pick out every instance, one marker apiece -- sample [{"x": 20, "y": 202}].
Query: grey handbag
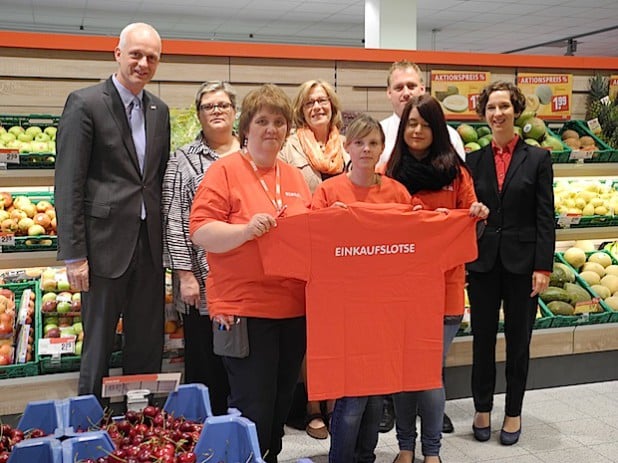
[{"x": 232, "y": 343}]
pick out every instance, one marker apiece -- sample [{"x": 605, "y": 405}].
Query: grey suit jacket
[
  {"x": 520, "y": 227},
  {"x": 98, "y": 185}
]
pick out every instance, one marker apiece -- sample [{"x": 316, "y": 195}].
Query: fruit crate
[
  {"x": 604, "y": 316},
  {"x": 556, "y": 156},
  {"x": 33, "y": 243},
  {"x": 586, "y": 221},
  {"x": 29, "y": 368},
  {"x": 39, "y": 160},
  {"x": 604, "y": 154}
]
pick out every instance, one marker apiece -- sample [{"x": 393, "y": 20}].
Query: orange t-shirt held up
[{"x": 236, "y": 284}]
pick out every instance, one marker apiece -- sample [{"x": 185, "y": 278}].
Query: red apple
[
  {"x": 8, "y": 199},
  {"x": 42, "y": 219},
  {"x": 43, "y": 205}
]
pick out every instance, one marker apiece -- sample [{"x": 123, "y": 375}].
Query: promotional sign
[
  {"x": 549, "y": 95},
  {"x": 458, "y": 92},
  {"x": 613, "y": 87}
]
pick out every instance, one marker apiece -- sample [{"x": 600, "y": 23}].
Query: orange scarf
[{"x": 329, "y": 161}]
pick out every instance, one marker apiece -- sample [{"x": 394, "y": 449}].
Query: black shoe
[
  {"x": 447, "y": 425},
  {"x": 509, "y": 438},
  {"x": 482, "y": 434},
  {"x": 388, "y": 416}
]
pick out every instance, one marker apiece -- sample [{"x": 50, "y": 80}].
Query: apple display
[
  {"x": 65, "y": 286},
  {"x": 36, "y": 230},
  {"x": 49, "y": 306},
  {"x": 33, "y": 131},
  {"x": 43, "y": 206},
  {"x": 63, "y": 307}
]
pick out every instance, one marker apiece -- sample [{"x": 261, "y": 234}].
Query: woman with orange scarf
[{"x": 316, "y": 148}]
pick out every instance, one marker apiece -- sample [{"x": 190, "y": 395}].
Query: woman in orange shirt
[
  {"x": 426, "y": 163},
  {"x": 239, "y": 200}
]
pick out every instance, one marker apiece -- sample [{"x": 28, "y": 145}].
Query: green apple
[
  {"x": 78, "y": 327},
  {"x": 25, "y": 137},
  {"x": 48, "y": 297},
  {"x": 63, "y": 307},
  {"x": 51, "y": 131},
  {"x": 78, "y": 348},
  {"x": 49, "y": 326},
  {"x": 16, "y": 130},
  {"x": 67, "y": 331},
  {"x": 7, "y": 137},
  {"x": 2, "y": 130},
  {"x": 42, "y": 137},
  {"x": 51, "y": 147},
  {"x": 13, "y": 145},
  {"x": 65, "y": 286},
  {"x": 34, "y": 130},
  {"x": 50, "y": 319}
]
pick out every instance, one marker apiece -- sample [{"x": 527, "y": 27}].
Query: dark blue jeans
[
  {"x": 429, "y": 405},
  {"x": 354, "y": 429}
]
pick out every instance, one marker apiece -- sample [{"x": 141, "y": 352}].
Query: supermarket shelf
[
  {"x": 29, "y": 259},
  {"x": 593, "y": 233},
  {"x": 591, "y": 169},
  {"x": 30, "y": 177}
]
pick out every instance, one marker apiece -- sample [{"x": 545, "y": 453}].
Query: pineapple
[{"x": 599, "y": 88}]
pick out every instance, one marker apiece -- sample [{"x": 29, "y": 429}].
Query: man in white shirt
[{"x": 403, "y": 82}]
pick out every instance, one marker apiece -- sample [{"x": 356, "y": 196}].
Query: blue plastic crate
[
  {"x": 93, "y": 444},
  {"x": 190, "y": 401},
  {"x": 62, "y": 417},
  {"x": 228, "y": 438},
  {"x": 40, "y": 450}
]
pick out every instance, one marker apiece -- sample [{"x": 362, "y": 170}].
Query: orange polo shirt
[{"x": 236, "y": 283}]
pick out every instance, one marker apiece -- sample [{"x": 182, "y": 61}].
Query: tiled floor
[{"x": 574, "y": 424}]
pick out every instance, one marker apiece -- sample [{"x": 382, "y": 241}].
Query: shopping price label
[
  {"x": 57, "y": 346},
  {"x": 595, "y": 126},
  {"x": 580, "y": 154},
  {"x": 155, "y": 383},
  {"x": 458, "y": 92},
  {"x": 7, "y": 239},
  {"x": 9, "y": 156},
  {"x": 550, "y": 96},
  {"x": 567, "y": 220}
]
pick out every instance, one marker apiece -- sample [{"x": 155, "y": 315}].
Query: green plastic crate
[
  {"x": 29, "y": 368},
  {"x": 33, "y": 243},
  {"x": 44, "y": 160},
  {"x": 604, "y": 154},
  {"x": 585, "y": 319},
  {"x": 589, "y": 221}
]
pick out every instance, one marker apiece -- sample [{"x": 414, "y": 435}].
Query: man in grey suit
[{"x": 113, "y": 145}]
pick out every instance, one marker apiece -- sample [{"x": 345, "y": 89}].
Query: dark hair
[
  {"x": 518, "y": 100},
  {"x": 442, "y": 156}
]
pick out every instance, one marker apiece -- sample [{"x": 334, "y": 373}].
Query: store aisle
[{"x": 571, "y": 424}]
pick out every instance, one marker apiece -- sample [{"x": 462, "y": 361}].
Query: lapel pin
[{"x": 153, "y": 107}]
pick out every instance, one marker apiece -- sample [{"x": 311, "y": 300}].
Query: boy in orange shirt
[{"x": 355, "y": 420}]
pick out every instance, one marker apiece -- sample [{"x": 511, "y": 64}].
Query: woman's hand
[
  {"x": 479, "y": 210},
  {"x": 260, "y": 224},
  {"x": 189, "y": 288},
  {"x": 226, "y": 321},
  {"x": 339, "y": 204},
  {"x": 442, "y": 210},
  {"x": 540, "y": 282}
]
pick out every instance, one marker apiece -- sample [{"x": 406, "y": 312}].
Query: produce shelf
[{"x": 596, "y": 233}]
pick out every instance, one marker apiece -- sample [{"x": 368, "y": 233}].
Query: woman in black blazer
[{"x": 515, "y": 259}]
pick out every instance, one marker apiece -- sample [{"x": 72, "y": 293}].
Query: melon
[
  {"x": 612, "y": 302},
  {"x": 576, "y": 257},
  {"x": 594, "y": 267},
  {"x": 602, "y": 258},
  {"x": 610, "y": 282},
  {"x": 602, "y": 291},
  {"x": 611, "y": 269},
  {"x": 590, "y": 277}
]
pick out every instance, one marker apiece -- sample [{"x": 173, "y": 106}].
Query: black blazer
[
  {"x": 520, "y": 227},
  {"x": 98, "y": 185}
]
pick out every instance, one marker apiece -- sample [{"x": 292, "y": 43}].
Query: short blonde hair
[
  {"x": 362, "y": 126},
  {"x": 267, "y": 96},
  {"x": 302, "y": 96},
  {"x": 403, "y": 65}
]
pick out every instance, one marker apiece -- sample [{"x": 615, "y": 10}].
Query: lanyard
[{"x": 277, "y": 202}]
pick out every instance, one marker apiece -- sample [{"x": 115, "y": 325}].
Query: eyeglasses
[
  {"x": 210, "y": 107},
  {"x": 320, "y": 101}
]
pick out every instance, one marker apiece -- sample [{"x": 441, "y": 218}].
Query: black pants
[
  {"x": 486, "y": 291},
  {"x": 202, "y": 365},
  {"x": 139, "y": 296},
  {"x": 262, "y": 384}
]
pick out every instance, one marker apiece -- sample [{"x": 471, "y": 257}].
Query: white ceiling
[{"x": 496, "y": 26}]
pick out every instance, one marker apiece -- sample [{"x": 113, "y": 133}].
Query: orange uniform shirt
[
  {"x": 375, "y": 275},
  {"x": 459, "y": 195},
  {"x": 236, "y": 283},
  {"x": 341, "y": 188}
]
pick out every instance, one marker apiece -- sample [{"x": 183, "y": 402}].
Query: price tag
[
  {"x": 595, "y": 126},
  {"x": 559, "y": 103},
  {"x": 565, "y": 221},
  {"x": 9, "y": 156},
  {"x": 57, "y": 346},
  {"x": 605, "y": 100},
  {"x": 156, "y": 383},
  {"x": 579, "y": 154},
  {"x": 7, "y": 239}
]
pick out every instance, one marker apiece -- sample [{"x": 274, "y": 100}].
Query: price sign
[
  {"x": 565, "y": 221},
  {"x": 579, "y": 154},
  {"x": 548, "y": 95},
  {"x": 9, "y": 156},
  {"x": 458, "y": 92},
  {"x": 156, "y": 383},
  {"x": 7, "y": 239},
  {"x": 57, "y": 346}
]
